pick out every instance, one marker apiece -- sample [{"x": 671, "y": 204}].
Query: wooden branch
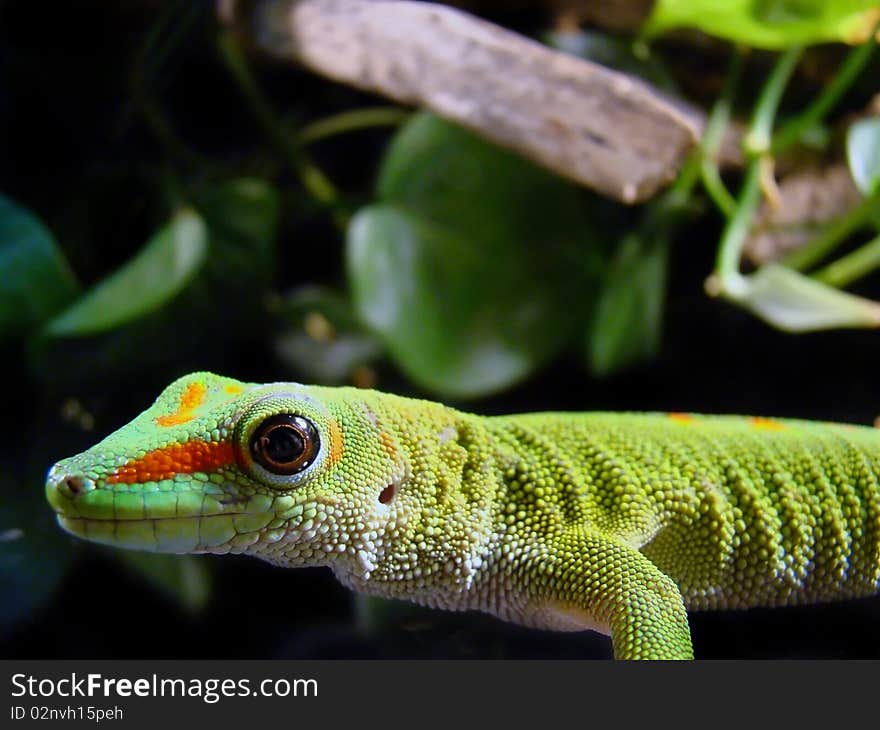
[{"x": 593, "y": 125}]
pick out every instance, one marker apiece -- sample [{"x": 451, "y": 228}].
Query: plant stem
[
  {"x": 351, "y": 121},
  {"x": 757, "y": 141},
  {"x": 165, "y": 36},
  {"x": 832, "y": 236},
  {"x": 729, "y": 251},
  {"x": 852, "y": 266},
  {"x": 727, "y": 276},
  {"x": 716, "y": 125},
  {"x": 312, "y": 179},
  {"x": 842, "y": 228},
  {"x": 831, "y": 94},
  {"x": 716, "y": 188}
]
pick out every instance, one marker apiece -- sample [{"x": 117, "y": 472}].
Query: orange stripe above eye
[
  {"x": 167, "y": 462},
  {"x": 192, "y": 398}
]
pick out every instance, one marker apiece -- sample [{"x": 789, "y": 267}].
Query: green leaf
[
  {"x": 223, "y": 301},
  {"x": 863, "y": 154},
  {"x": 183, "y": 578},
  {"x": 322, "y": 339},
  {"x": 35, "y": 279},
  {"x": 796, "y": 303},
  {"x": 157, "y": 274},
  {"x": 478, "y": 267},
  {"x": 771, "y": 24},
  {"x": 627, "y": 323}
]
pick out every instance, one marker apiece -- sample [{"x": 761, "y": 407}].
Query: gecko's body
[{"x": 567, "y": 521}]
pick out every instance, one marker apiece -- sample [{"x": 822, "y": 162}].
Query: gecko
[{"x": 614, "y": 522}]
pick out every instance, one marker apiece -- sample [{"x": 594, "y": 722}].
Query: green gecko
[{"x": 569, "y": 521}]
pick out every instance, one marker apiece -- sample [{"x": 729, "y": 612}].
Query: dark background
[{"x": 75, "y": 149}]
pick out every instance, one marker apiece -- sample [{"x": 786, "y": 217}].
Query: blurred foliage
[
  {"x": 191, "y": 207},
  {"x": 36, "y": 279},
  {"x": 769, "y": 23},
  {"x": 477, "y": 266},
  {"x": 162, "y": 269},
  {"x": 863, "y": 153},
  {"x": 627, "y": 321}
]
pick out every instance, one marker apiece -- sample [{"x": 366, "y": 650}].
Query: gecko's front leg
[{"x": 588, "y": 580}]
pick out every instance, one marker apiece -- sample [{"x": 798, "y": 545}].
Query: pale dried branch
[{"x": 593, "y": 125}]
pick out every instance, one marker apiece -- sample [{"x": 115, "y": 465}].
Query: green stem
[
  {"x": 312, "y": 179},
  {"x": 833, "y": 235},
  {"x": 175, "y": 21},
  {"x": 757, "y": 141},
  {"x": 351, "y": 121},
  {"x": 677, "y": 197},
  {"x": 716, "y": 188},
  {"x": 852, "y": 266},
  {"x": 729, "y": 252},
  {"x": 716, "y": 125},
  {"x": 661, "y": 216},
  {"x": 825, "y": 102},
  {"x": 163, "y": 38}
]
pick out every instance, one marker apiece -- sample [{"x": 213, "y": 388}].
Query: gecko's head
[{"x": 285, "y": 471}]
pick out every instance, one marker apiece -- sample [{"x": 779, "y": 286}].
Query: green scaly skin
[{"x": 567, "y": 521}]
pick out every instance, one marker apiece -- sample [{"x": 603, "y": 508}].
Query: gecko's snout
[{"x": 62, "y": 486}]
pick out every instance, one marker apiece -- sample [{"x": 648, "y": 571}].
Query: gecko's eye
[{"x": 285, "y": 444}]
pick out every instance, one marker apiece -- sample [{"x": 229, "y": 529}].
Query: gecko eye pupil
[{"x": 285, "y": 444}]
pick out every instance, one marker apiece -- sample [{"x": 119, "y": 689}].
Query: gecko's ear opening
[{"x": 387, "y": 494}]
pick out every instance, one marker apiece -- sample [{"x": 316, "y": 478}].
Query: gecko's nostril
[
  {"x": 62, "y": 488},
  {"x": 75, "y": 484}
]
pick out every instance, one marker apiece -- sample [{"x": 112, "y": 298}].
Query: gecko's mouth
[
  {"x": 205, "y": 533},
  {"x": 182, "y": 519}
]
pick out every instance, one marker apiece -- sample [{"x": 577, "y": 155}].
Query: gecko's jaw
[{"x": 182, "y": 515}]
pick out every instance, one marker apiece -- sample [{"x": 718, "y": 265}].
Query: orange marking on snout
[
  {"x": 680, "y": 417},
  {"x": 167, "y": 462},
  {"x": 192, "y": 398},
  {"x": 767, "y": 424},
  {"x": 233, "y": 389}
]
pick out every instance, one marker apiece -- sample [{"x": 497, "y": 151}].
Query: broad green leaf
[
  {"x": 157, "y": 274},
  {"x": 35, "y": 280},
  {"x": 863, "y": 153},
  {"x": 222, "y": 300},
  {"x": 771, "y": 24},
  {"x": 627, "y": 322},
  {"x": 796, "y": 303},
  {"x": 321, "y": 338},
  {"x": 477, "y": 267},
  {"x": 185, "y": 579}
]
